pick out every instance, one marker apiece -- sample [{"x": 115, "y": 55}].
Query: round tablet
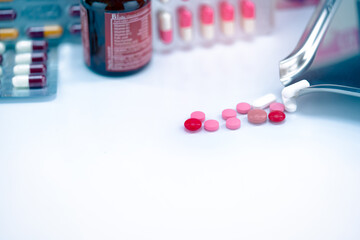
[
  {"x": 277, "y": 107},
  {"x": 233, "y": 123},
  {"x": 193, "y": 124},
  {"x": 277, "y": 116},
  {"x": 211, "y": 125},
  {"x": 243, "y": 108},
  {"x": 257, "y": 116},
  {"x": 228, "y": 113},
  {"x": 198, "y": 115}
]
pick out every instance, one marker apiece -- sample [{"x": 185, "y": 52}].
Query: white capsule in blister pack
[{"x": 184, "y": 24}]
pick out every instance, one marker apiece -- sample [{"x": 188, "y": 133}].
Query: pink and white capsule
[
  {"x": 165, "y": 27},
  {"x": 25, "y": 81},
  {"x": 27, "y": 69},
  {"x": 27, "y": 58},
  {"x": 247, "y": 9},
  {"x": 227, "y": 19},
  {"x": 207, "y": 22},
  {"x": 185, "y": 23}
]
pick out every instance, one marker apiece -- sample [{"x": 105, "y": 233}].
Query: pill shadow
[{"x": 330, "y": 105}]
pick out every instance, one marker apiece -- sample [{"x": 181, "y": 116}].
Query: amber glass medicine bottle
[{"x": 116, "y": 35}]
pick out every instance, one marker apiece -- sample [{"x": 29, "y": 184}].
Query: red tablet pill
[
  {"x": 193, "y": 124},
  {"x": 277, "y": 116}
]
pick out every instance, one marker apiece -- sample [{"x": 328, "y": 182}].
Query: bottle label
[
  {"x": 85, "y": 34},
  {"x": 128, "y": 39}
]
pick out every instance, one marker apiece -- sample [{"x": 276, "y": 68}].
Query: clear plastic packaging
[
  {"x": 28, "y": 85},
  {"x": 53, "y": 20},
  {"x": 186, "y": 24}
]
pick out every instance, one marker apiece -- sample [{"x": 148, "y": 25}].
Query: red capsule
[
  {"x": 277, "y": 116},
  {"x": 74, "y": 10},
  {"x": 193, "y": 124}
]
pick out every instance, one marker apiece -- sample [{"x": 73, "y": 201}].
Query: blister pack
[
  {"x": 28, "y": 70},
  {"x": 185, "y": 24},
  {"x": 53, "y": 20}
]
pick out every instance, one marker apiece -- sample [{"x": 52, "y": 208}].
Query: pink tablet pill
[
  {"x": 243, "y": 108},
  {"x": 277, "y": 107},
  {"x": 198, "y": 115},
  {"x": 228, "y": 113},
  {"x": 211, "y": 125},
  {"x": 233, "y": 123},
  {"x": 257, "y": 116}
]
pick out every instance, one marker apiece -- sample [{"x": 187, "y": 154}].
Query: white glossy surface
[{"x": 109, "y": 159}]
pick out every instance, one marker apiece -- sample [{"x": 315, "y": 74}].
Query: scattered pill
[
  {"x": 185, "y": 23},
  {"x": 290, "y": 104},
  {"x": 211, "y": 125},
  {"x": 294, "y": 89},
  {"x": 7, "y": 14},
  {"x": 277, "y": 107},
  {"x": 227, "y": 19},
  {"x": 193, "y": 124},
  {"x": 248, "y": 16},
  {"x": 264, "y": 101},
  {"x": 30, "y": 46},
  {"x": 74, "y": 10},
  {"x": 198, "y": 115},
  {"x": 27, "y": 69},
  {"x": 228, "y": 113},
  {"x": 30, "y": 81},
  {"x": 27, "y": 58},
  {"x": 207, "y": 22},
  {"x": 49, "y": 31},
  {"x": 277, "y": 116},
  {"x": 1, "y": 59},
  {"x": 243, "y": 108},
  {"x": 233, "y": 123},
  {"x": 165, "y": 27},
  {"x": 1, "y": 71},
  {"x": 8, "y": 34},
  {"x": 257, "y": 116},
  {"x": 2, "y": 48}
]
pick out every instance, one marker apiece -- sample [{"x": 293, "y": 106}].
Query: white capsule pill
[
  {"x": 290, "y": 104},
  {"x": 264, "y": 101},
  {"x": 21, "y": 81},
  {"x": 294, "y": 89},
  {"x": 30, "y": 46},
  {"x": 26, "y": 69},
  {"x": 2, "y": 48}
]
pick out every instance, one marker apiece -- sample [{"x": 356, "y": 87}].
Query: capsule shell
[
  {"x": 7, "y": 14},
  {"x": 29, "y": 81},
  {"x": 74, "y": 10},
  {"x": 75, "y": 29},
  {"x": 185, "y": 23},
  {"x": 165, "y": 27},
  {"x": 50, "y": 31},
  {"x": 31, "y": 46},
  {"x": 27, "y": 58},
  {"x": 9, "y": 33},
  {"x": 27, "y": 69}
]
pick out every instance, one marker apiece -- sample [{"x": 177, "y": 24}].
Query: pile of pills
[
  {"x": 189, "y": 23},
  {"x": 25, "y": 71},
  {"x": 38, "y": 19},
  {"x": 255, "y": 115}
]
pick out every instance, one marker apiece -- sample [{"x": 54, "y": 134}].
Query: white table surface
[{"x": 109, "y": 158}]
